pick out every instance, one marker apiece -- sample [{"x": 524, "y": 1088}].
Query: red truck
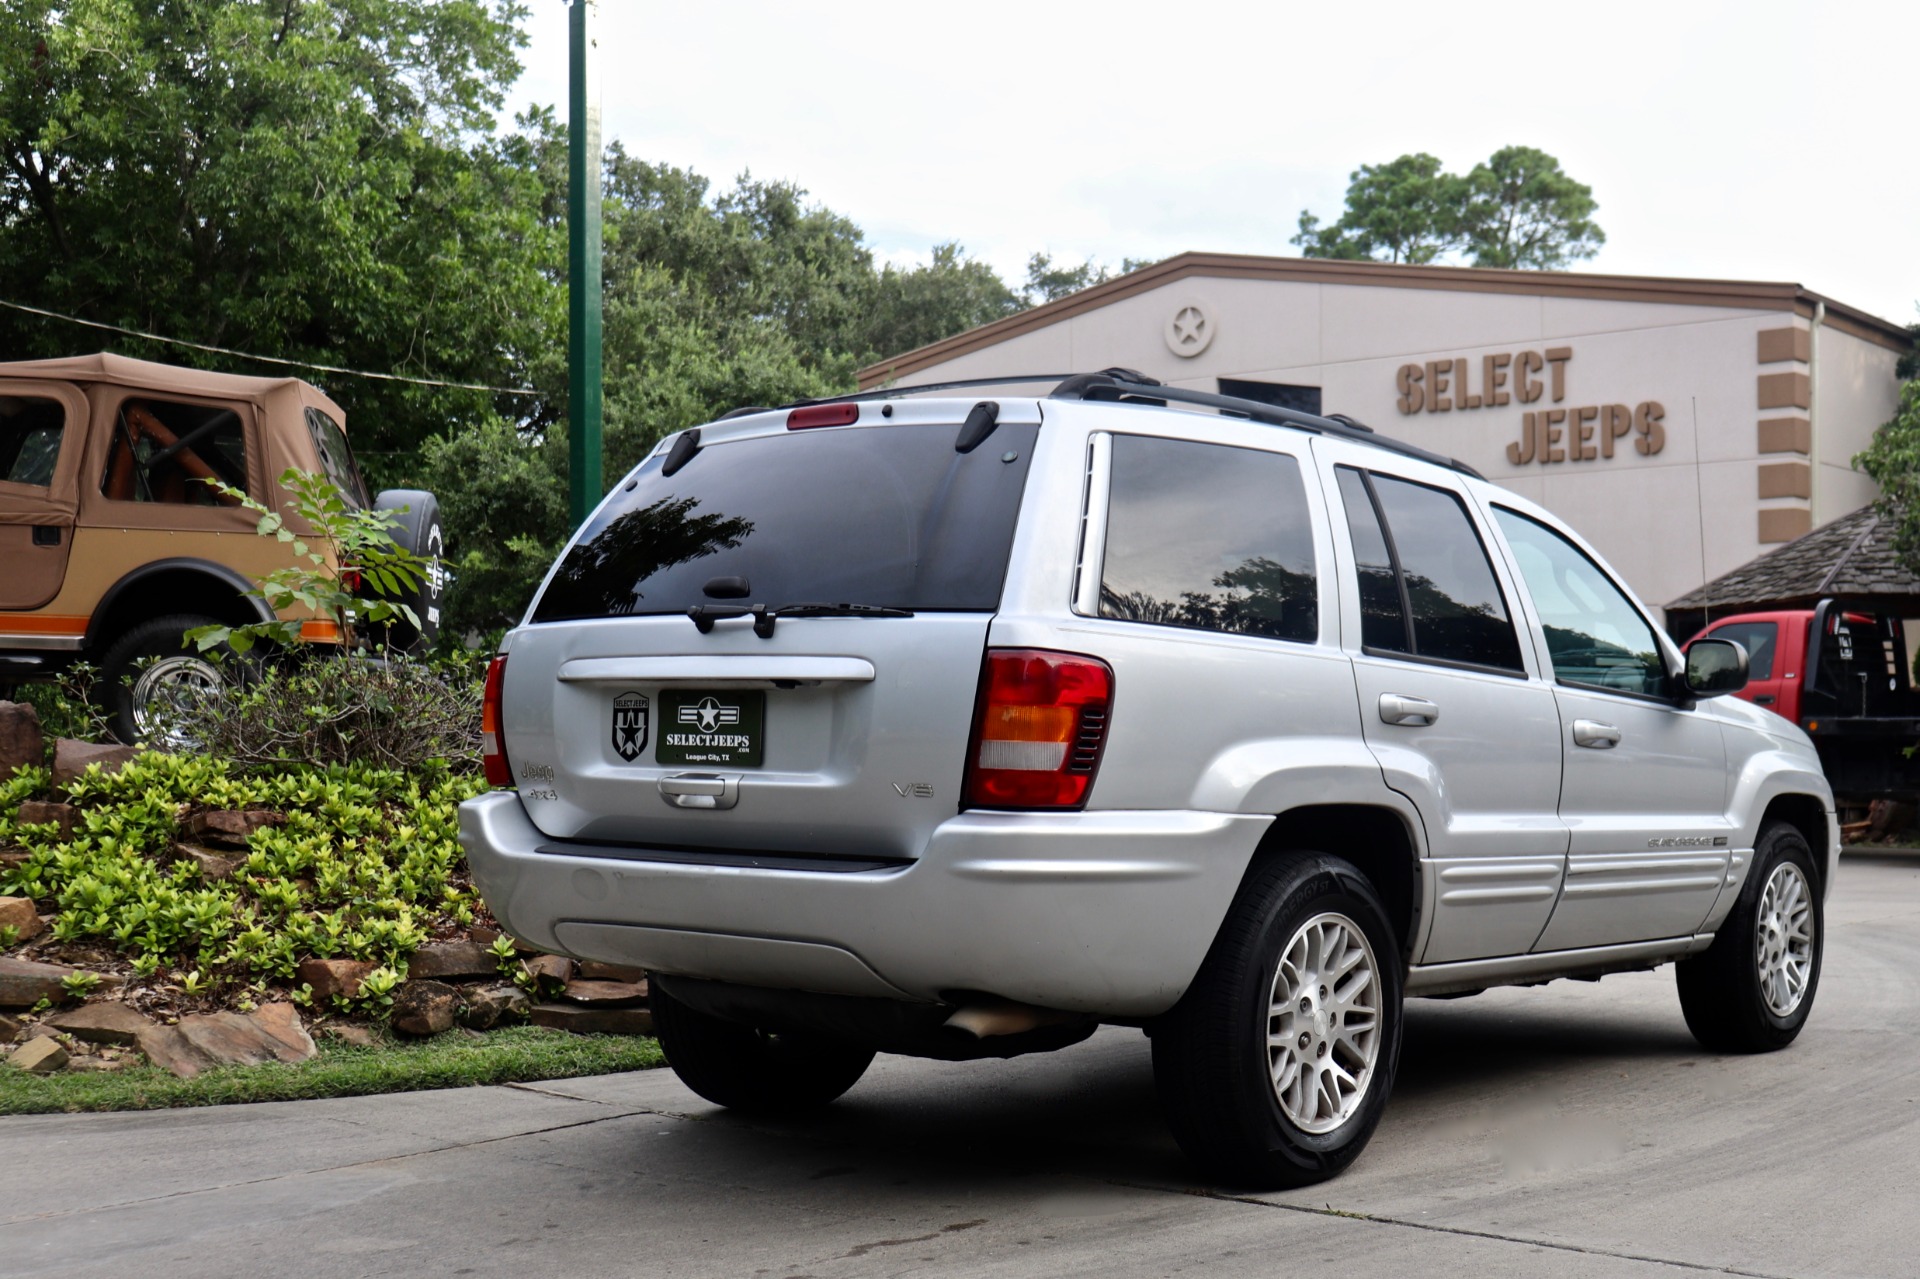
[{"x": 1841, "y": 671}]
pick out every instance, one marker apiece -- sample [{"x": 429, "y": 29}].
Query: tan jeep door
[{"x": 43, "y": 428}]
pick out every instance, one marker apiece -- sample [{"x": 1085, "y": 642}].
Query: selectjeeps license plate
[{"x": 717, "y": 729}]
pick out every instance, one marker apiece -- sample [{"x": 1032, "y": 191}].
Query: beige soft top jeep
[{"x": 110, "y": 549}]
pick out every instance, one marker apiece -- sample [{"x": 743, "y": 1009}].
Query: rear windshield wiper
[
  {"x": 839, "y": 610},
  {"x": 705, "y": 615}
]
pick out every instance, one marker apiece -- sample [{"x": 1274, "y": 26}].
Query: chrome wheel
[
  {"x": 1323, "y": 1023},
  {"x": 170, "y": 683},
  {"x": 1783, "y": 939}
]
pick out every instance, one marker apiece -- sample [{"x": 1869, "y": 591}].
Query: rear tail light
[
  {"x": 493, "y": 742},
  {"x": 1039, "y": 729},
  {"x": 823, "y": 415}
]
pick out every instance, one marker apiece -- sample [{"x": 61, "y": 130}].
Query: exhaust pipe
[{"x": 990, "y": 1018}]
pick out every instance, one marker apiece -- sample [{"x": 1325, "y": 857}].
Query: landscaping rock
[
  {"x": 485, "y": 1007},
  {"x": 424, "y": 1008},
  {"x": 9, "y": 1028},
  {"x": 40, "y": 1030},
  {"x": 24, "y": 983},
  {"x": 237, "y": 1039},
  {"x": 212, "y": 865},
  {"x": 169, "y": 1049},
  {"x": 98, "y": 1065},
  {"x": 594, "y": 970},
  {"x": 21, "y": 741},
  {"x": 18, "y": 914},
  {"x": 282, "y": 1022},
  {"x": 594, "y": 1021},
  {"x": 39, "y": 812},
  {"x": 358, "y": 1036},
  {"x": 39, "y": 1056},
  {"x": 330, "y": 977},
  {"x": 605, "y": 994},
  {"x": 231, "y": 829},
  {"x": 101, "y": 1023},
  {"x": 71, "y": 758},
  {"x": 452, "y": 959},
  {"x": 556, "y": 969}
]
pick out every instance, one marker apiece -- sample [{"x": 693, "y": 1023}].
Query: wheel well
[
  {"x": 172, "y": 590},
  {"x": 1808, "y": 816},
  {"x": 1375, "y": 840}
]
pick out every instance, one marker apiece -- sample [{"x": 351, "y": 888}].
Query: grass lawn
[{"x": 452, "y": 1060}]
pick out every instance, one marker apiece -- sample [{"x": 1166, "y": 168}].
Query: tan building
[{"x": 1684, "y": 426}]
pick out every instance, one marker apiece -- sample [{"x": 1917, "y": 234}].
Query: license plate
[{"x": 712, "y": 729}]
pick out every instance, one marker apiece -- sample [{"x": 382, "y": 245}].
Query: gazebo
[{"x": 1851, "y": 558}]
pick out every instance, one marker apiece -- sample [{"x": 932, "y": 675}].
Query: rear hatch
[{"x": 845, "y": 578}]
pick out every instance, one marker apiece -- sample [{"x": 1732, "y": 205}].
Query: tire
[
  {"x": 416, "y": 527},
  {"x": 129, "y": 693},
  {"x": 753, "y": 1070},
  {"x": 1751, "y": 991},
  {"x": 1213, "y": 1064}
]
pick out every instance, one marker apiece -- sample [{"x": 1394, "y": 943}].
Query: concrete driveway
[{"x": 1571, "y": 1130}]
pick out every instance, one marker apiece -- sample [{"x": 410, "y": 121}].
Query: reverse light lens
[
  {"x": 493, "y": 742},
  {"x": 1039, "y": 729},
  {"x": 823, "y": 415}
]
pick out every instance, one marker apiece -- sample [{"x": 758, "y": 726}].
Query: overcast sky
[{"x": 1757, "y": 141}]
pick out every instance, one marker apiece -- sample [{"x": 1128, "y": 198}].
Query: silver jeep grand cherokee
[{"x": 957, "y": 727}]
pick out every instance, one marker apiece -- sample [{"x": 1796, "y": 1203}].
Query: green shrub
[
  {"x": 366, "y": 866},
  {"x": 311, "y": 707},
  {"x": 66, "y": 706}
]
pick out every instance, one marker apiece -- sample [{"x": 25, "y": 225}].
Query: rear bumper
[{"x": 1105, "y": 912}]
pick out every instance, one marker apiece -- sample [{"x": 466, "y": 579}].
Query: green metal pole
[{"x": 583, "y": 267}]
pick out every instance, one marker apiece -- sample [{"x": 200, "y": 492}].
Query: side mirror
[{"x": 1715, "y": 666}]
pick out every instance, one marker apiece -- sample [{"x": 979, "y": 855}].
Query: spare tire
[{"x": 416, "y": 527}]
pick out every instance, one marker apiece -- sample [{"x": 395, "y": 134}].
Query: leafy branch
[{"x": 348, "y": 545}]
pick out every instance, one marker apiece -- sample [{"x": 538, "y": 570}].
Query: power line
[{"x": 268, "y": 359}]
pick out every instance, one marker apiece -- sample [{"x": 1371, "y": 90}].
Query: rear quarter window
[{"x": 1209, "y": 537}]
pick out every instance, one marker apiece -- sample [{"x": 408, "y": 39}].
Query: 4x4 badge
[{"x": 630, "y": 725}]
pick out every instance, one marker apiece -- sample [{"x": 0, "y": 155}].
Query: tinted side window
[
  {"x": 1594, "y": 635},
  {"x": 30, "y": 430},
  {"x": 1758, "y": 638},
  {"x": 1383, "y": 615},
  {"x": 163, "y": 451},
  {"x": 336, "y": 459},
  {"x": 1443, "y": 582},
  {"x": 1209, "y": 537}
]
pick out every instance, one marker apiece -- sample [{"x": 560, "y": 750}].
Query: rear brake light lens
[
  {"x": 823, "y": 415},
  {"x": 1039, "y": 729},
  {"x": 493, "y": 742}
]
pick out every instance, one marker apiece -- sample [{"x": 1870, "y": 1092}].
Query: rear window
[{"x": 887, "y": 516}]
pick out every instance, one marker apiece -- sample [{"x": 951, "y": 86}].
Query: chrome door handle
[
  {"x": 1413, "y": 711},
  {"x": 1589, "y": 732},
  {"x": 700, "y": 790}
]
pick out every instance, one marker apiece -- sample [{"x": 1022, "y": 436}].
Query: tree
[
  {"x": 1893, "y": 460},
  {"x": 1523, "y": 211},
  {"x": 1519, "y": 209},
  {"x": 315, "y": 179},
  {"x": 1407, "y": 210}
]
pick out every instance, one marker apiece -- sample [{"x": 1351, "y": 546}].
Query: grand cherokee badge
[{"x": 630, "y": 725}]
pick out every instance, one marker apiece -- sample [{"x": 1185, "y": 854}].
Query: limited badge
[{"x": 630, "y": 725}]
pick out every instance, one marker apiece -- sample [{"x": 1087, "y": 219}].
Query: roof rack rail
[
  {"x": 1106, "y": 387},
  {"x": 1118, "y": 385}
]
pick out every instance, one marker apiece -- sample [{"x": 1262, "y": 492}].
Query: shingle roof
[{"x": 1851, "y": 557}]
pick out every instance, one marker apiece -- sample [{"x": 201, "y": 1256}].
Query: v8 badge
[{"x": 630, "y": 725}]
